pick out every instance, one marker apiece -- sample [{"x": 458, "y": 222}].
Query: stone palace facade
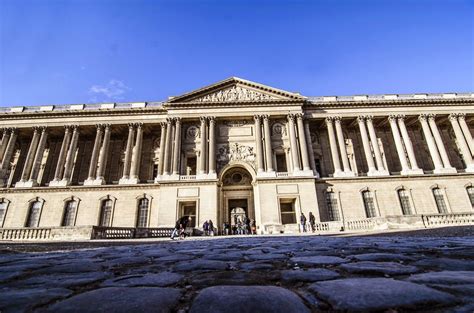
[{"x": 234, "y": 149}]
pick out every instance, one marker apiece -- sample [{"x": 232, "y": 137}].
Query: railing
[
  {"x": 364, "y": 224},
  {"x": 100, "y": 232},
  {"x": 282, "y": 174},
  {"x": 434, "y": 220},
  {"x": 187, "y": 177},
  {"x": 26, "y": 234}
]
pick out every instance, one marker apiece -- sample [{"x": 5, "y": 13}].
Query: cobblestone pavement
[{"x": 396, "y": 273}]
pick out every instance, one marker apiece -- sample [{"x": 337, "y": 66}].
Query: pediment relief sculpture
[{"x": 235, "y": 93}]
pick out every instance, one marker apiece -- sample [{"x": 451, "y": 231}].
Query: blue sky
[{"x": 82, "y": 51}]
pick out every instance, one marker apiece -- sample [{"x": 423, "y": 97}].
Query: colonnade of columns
[
  {"x": 67, "y": 155},
  {"x": 132, "y": 161},
  {"x": 338, "y": 147},
  {"x": 464, "y": 140},
  {"x": 100, "y": 152},
  {"x": 7, "y": 148}
]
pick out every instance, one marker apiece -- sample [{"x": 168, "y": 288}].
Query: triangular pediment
[{"x": 236, "y": 90}]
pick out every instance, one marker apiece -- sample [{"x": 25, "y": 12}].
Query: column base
[
  {"x": 378, "y": 173},
  {"x": 446, "y": 170},
  {"x": 344, "y": 174},
  {"x": 409, "y": 172},
  {"x": 128, "y": 181},
  {"x": 266, "y": 174},
  {"x": 94, "y": 182},
  {"x": 59, "y": 183},
  {"x": 26, "y": 184}
]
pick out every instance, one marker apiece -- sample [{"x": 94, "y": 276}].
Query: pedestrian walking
[
  {"x": 211, "y": 228},
  {"x": 180, "y": 227},
  {"x": 303, "y": 222},
  {"x": 312, "y": 221},
  {"x": 205, "y": 228}
]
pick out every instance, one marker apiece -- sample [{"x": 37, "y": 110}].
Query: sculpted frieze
[
  {"x": 235, "y": 152},
  {"x": 235, "y": 93}
]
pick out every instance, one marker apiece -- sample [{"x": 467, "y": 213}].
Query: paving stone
[
  {"x": 389, "y": 268},
  {"x": 162, "y": 279},
  {"x": 61, "y": 280},
  {"x": 21, "y": 300},
  {"x": 446, "y": 264},
  {"x": 375, "y": 294},
  {"x": 266, "y": 256},
  {"x": 310, "y": 275},
  {"x": 258, "y": 265},
  {"x": 201, "y": 265},
  {"x": 381, "y": 257},
  {"x": 118, "y": 299},
  {"x": 444, "y": 277},
  {"x": 318, "y": 260},
  {"x": 231, "y": 278},
  {"x": 76, "y": 266},
  {"x": 243, "y": 299}
]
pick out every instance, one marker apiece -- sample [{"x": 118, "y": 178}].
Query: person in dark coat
[
  {"x": 205, "y": 228},
  {"x": 303, "y": 222},
  {"x": 180, "y": 226},
  {"x": 312, "y": 221},
  {"x": 211, "y": 228}
]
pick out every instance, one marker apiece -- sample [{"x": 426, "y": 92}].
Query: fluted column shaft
[
  {"x": 202, "y": 156},
  {"x": 293, "y": 143},
  {"x": 104, "y": 151},
  {"x": 333, "y": 145},
  {"x": 310, "y": 147},
  {"x": 162, "y": 149},
  {"x": 212, "y": 145},
  {"x": 466, "y": 153},
  {"x": 268, "y": 143},
  {"x": 167, "y": 153},
  {"x": 95, "y": 154},
  {"x": 70, "y": 155},
  {"x": 10, "y": 149},
  {"x": 342, "y": 145},
  {"x": 128, "y": 152},
  {"x": 3, "y": 147},
  {"x": 136, "y": 155},
  {"x": 58, "y": 174},
  {"x": 303, "y": 143},
  {"x": 431, "y": 143},
  {"x": 467, "y": 132},
  {"x": 258, "y": 143},
  {"x": 365, "y": 143},
  {"x": 177, "y": 146},
  {"x": 39, "y": 155},
  {"x": 439, "y": 141},
  {"x": 407, "y": 141},
  {"x": 375, "y": 144},
  {"x": 398, "y": 143},
  {"x": 25, "y": 175}
]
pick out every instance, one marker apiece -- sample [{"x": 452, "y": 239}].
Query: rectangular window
[
  {"x": 287, "y": 211},
  {"x": 404, "y": 199},
  {"x": 69, "y": 213},
  {"x": 369, "y": 204},
  {"x": 3, "y": 209},
  {"x": 189, "y": 209},
  {"x": 440, "y": 203},
  {"x": 142, "y": 218},
  {"x": 470, "y": 193},
  {"x": 34, "y": 214},
  {"x": 281, "y": 163},
  {"x": 106, "y": 213},
  {"x": 191, "y": 165},
  {"x": 331, "y": 204}
]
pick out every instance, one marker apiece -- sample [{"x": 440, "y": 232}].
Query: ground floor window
[
  {"x": 3, "y": 210},
  {"x": 69, "y": 213},
  {"x": 189, "y": 209},
  {"x": 105, "y": 213},
  {"x": 34, "y": 214},
  {"x": 287, "y": 211},
  {"x": 439, "y": 199},
  {"x": 404, "y": 199},
  {"x": 369, "y": 204},
  {"x": 470, "y": 193},
  {"x": 142, "y": 218},
  {"x": 331, "y": 204}
]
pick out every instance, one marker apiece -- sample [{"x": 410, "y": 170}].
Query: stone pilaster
[
  {"x": 177, "y": 147},
  {"x": 258, "y": 143},
  {"x": 447, "y": 168},
  {"x": 310, "y": 148},
  {"x": 342, "y": 147},
  {"x": 161, "y": 155},
  {"x": 203, "y": 147},
  {"x": 381, "y": 170},
  {"x": 293, "y": 144},
  {"x": 438, "y": 165},
  {"x": 333, "y": 146},
  {"x": 136, "y": 156},
  {"x": 303, "y": 143},
  {"x": 3, "y": 146},
  {"x": 128, "y": 154},
  {"x": 268, "y": 144},
  {"x": 58, "y": 174},
  {"x": 25, "y": 175},
  {"x": 5, "y": 164},
  {"x": 365, "y": 142},
  {"x": 399, "y": 145},
  {"x": 466, "y": 132},
  {"x": 104, "y": 151},
  {"x": 212, "y": 147},
  {"x": 92, "y": 174},
  {"x": 167, "y": 153},
  {"x": 70, "y": 157},
  {"x": 33, "y": 181},
  {"x": 463, "y": 147}
]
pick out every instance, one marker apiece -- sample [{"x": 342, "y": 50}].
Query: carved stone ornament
[
  {"x": 192, "y": 132},
  {"x": 278, "y": 129},
  {"x": 237, "y": 176},
  {"x": 235, "y": 93},
  {"x": 314, "y": 138},
  {"x": 234, "y": 153},
  {"x": 236, "y": 123}
]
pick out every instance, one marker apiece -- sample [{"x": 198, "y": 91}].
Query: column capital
[
  {"x": 163, "y": 124},
  {"x": 361, "y": 118},
  {"x": 290, "y": 117},
  {"x": 257, "y": 117},
  {"x": 369, "y": 118},
  {"x": 266, "y": 117},
  {"x": 169, "y": 120},
  {"x": 212, "y": 119},
  {"x": 337, "y": 119},
  {"x": 422, "y": 117},
  {"x": 431, "y": 117},
  {"x": 401, "y": 117},
  {"x": 462, "y": 116},
  {"x": 392, "y": 118},
  {"x": 203, "y": 119},
  {"x": 329, "y": 119},
  {"x": 139, "y": 125},
  {"x": 299, "y": 116},
  {"x": 453, "y": 117}
]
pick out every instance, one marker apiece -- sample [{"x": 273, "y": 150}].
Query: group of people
[
  {"x": 311, "y": 222},
  {"x": 240, "y": 227},
  {"x": 208, "y": 228}
]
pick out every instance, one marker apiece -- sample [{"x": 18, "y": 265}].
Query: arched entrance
[{"x": 236, "y": 194}]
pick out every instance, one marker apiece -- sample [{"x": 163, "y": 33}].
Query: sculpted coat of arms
[{"x": 233, "y": 153}]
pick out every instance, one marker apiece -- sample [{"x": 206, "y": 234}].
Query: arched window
[
  {"x": 34, "y": 214},
  {"x": 439, "y": 199},
  {"x": 331, "y": 203},
  {"x": 470, "y": 193},
  {"x": 69, "y": 215},
  {"x": 142, "y": 218},
  {"x": 404, "y": 199},
  {"x": 3, "y": 211},
  {"x": 105, "y": 212},
  {"x": 369, "y": 204}
]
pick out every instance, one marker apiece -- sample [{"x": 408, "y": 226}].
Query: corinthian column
[
  {"x": 3, "y": 147},
  {"x": 375, "y": 146},
  {"x": 128, "y": 152},
  {"x": 342, "y": 145},
  {"x": 167, "y": 153},
  {"x": 70, "y": 156},
  {"x": 303, "y": 143},
  {"x": 177, "y": 146},
  {"x": 310, "y": 147},
  {"x": 431, "y": 143},
  {"x": 25, "y": 175},
  {"x": 293, "y": 143},
  {"x": 161, "y": 155},
  {"x": 95, "y": 154},
  {"x": 202, "y": 156},
  {"x": 467, "y": 133},
  {"x": 466, "y": 154},
  {"x": 38, "y": 157},
  {"x": 136, "y": 155},
  {"x": 365, "y": 143},
  {"x": 333, "y": 146},
  {"x": 439, "y": 142},
  {"x": 104, "y": 151},
  {"x": 5, "y": 164},
  {"x": 407, "y": 141},
  {"x": 398, "y": 144},
  {"x": 258, "y": 143},
  {"x": 58, "y": 174},
  {"x": 212, "y": 145},
  {"x": 268, "y": 143}
]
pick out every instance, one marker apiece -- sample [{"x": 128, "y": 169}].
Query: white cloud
[{"x": 113, "y": 90}]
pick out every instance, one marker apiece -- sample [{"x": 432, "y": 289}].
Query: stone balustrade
[{"x": 439, "y": 220}]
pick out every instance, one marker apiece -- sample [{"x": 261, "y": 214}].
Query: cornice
[
  {"x": 46, "y": 189},
  {"x": 385, "y": 103},
  {"x": 197, "y": 105},
  {"x": 359, "y": 179}
]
